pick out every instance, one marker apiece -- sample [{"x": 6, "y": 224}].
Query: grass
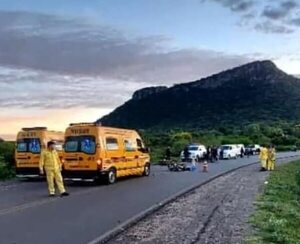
[{"x": 277, "y": 217}]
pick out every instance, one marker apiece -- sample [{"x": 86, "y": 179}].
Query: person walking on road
[
  {"x": 242, "y": 152},
  {"x": 214, "y": 152},
  {"x": 50, "y": 161},
  {"x": 208, "y": 155},
  {"x": 168, "y": 154},
  {"x": 186, "y": 154},
  {"x": 263, "y": 156},
  {"x": 271, "y": 158}
]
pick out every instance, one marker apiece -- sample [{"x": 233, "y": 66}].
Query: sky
[{"x": 64, "y": 61}]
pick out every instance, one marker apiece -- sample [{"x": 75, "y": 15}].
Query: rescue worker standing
[
  {"x": 271, "y": 158},
  {"x": 51, "y": 163},
  {"x": 263, "y": 156}
]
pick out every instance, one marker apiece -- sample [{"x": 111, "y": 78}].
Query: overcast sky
[{"x": 63, "y": 61}]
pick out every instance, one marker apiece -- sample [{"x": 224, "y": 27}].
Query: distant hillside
[{"x": 255, "y": 92}]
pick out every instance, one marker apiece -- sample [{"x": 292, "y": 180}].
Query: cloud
[
  {"x": 29, "y": 89},
  {"x": 280, "y": 12},
  {"x": 49, "y": 62},
  {"x": 269, "y": 17},
  {"x": 24, "y": 88},
  {"x": 295, "y": 21},
  {"x": 270, "y": 27},
  {"x": 76, "y": 47},
  {"x": 236, "y": 5},
  {"x": 280, "y": 18}
]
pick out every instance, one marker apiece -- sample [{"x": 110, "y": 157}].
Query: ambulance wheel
[
  {"x": 111, "y": 177},
  {"x": 146, "y": 170}
]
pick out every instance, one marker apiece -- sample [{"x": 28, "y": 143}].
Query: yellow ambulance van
[
  {"x": 29, "y": 143},
  {"x": 93, "y": 152}
]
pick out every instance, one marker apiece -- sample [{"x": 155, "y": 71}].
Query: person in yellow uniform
[
  {"x": 271, "y": 158},
  {"x": 263, "y": 156},
  {"x": 50, "y": 161}
]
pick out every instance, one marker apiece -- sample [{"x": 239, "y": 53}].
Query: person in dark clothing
[
  {"x": 242, "y": 152},
  {"x": 208, "y": 155},
  {"x": 168, "y": 153},
  {"x": 186, "y": 154},
  {"x": 215, "y": 154}
]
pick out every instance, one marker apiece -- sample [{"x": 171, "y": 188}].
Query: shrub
[
  {"x": 6, "y": 172},
  {"x": 7, "y": 150}
]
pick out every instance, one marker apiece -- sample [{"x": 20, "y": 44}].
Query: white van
[
  {"x": 252, "y": 149},
  {"x": 230, "y": 151},
  {"x": 196, "y": 151}
]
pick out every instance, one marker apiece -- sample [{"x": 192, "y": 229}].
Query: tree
[{"x": 252, "y": 129}]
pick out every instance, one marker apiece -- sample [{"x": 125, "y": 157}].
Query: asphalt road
[{"x": 27, "y": 215}]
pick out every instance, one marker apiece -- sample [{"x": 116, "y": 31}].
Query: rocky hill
[{"x": 255, "y": 92}]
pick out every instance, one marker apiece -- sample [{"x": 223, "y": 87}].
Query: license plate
[{"x": 73, "y": 163}]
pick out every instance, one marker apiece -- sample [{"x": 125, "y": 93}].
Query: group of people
[
  {"x": 212, "y": 154},
  {"x": 267, "y": 157}
]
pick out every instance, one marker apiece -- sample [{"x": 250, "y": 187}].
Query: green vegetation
[
  {"x": 277, "y": 218},
  {"x": 285, "y": 136},
  {"x": 7, "y": 160}
]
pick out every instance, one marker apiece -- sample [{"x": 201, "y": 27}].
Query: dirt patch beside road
[{"x": 215, "y": 213}]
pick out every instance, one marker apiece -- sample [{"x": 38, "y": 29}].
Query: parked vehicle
[
  {"x": 95, "y": 152},
  {"x": 30, "y": 142},
  {"x": 196, "y": 151},
  {"x": 229, "y": 151},
  {"x": 252, "y": 149}
]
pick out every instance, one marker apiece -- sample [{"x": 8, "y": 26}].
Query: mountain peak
[
  {"x": 260, "y": 66},
  {"x": 261, "y": 63},
  {"x": 254, "y": 73}
]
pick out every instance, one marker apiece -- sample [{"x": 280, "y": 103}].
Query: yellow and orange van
[
  {"x": 30, "y": 142},
  {"x": 93, "y": 152}
]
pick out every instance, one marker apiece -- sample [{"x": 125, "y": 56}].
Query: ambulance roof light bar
[
  {"x": 34, "y": 128},
  {"x": 86, "y": 124}
]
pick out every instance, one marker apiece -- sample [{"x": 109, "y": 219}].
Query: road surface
[{"x": 27, "y": 215}]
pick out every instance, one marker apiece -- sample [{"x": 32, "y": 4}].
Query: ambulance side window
[
  {"x": 129, "y": 145},
  {"x": 112, "y": 144}
]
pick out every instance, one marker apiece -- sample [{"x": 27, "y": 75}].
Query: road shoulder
[{"x": 214, "y": 213}]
